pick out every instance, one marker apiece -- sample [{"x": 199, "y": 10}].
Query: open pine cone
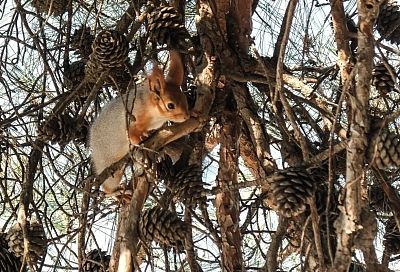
[
  {"x": 384, "y": 149},
  {"x": 53, "y": 7},
  {"x": 165, "y": 169},
  {"x": 82, "y": 41},
  {"x": 357, "y": 267},
  {"x": 188, "y": 186},
  {"x": 163, "y": 226},
  {"x": 63, "y": 128},
  {"x": 109, "y": 50},
  {"x": 165, "y": 26},
  {"x": 388, "y": 21},
  {"x": 382, "y": 79},
  {"x": 290, "y": 190},
  {"x": 9, "y": 262},
  {"x": 74, "y": 73},
  {"x": 96, "y": 261},
  {"x": 119, "y": 79},
  {"x": 391, "y": 238},
  {"x": 36, "y": 237},
  {"x": 378, "y": 199}
]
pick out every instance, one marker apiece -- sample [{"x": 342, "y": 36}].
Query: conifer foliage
[{"x": 290, "y": 159}]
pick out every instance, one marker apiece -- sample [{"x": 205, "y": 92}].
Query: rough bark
[
  {"x": 206, "y": 71},
  {"x": 341, "y": 38},
  {"x": 249, "y": 156},
  {"x": 189, "y": 247},
  {"x": 272, "y": 255},
  {"x": 127, "y": 237},
  {"x": 258, "y": 135},
  {"x": 27, "y": 194},
  {"x": 241, "y": 25},
  {"x": 348, "y": 223},
  {"x": 227, "y": 203}
]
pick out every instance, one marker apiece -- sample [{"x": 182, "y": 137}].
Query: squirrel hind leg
[
  {"x": 112, "y": 183},
  {"x": 120, "y": 192}
]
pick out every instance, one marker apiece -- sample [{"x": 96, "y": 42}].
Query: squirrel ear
[
  {"x": 154, "y": 97},
  {"x": 175, "y": 69},
  {"x": 156, "y": 80}
]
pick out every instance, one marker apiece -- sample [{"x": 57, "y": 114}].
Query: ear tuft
[
  {"x": 156, "y": 80},
  {"x": 175, "y": 69}
]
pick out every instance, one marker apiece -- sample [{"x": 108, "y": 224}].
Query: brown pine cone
[
  {"x": 82, "y": 41},
  {"x": 96, "y": 261},
  {"x": 188, "y": 187},
  {"x": 391, "y": 238},
  {"x": 382, "y": 79},
  {"x": 388, "y": 21},
  {"x": 63, "y": 128},
  {"x": 74, "y": 74},
  {"x": 163, "y": 226},
  {"x": 384, "y": 149},
  {"x": 166, "y": 26},
  {"x": 109, "y": 50},
  {"x": 53, "y": 7},
  {"x": 290, "y": 190},
  {"x": 9, "y": 262},
  {"x": 165, "y": 169},
  {"x": 36, "y": 237}
]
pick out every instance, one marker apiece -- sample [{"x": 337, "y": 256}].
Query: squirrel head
[{"x": 166, "y": 94}]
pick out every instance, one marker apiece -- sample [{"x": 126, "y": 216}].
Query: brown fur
[{"x": 108, "y": 135}]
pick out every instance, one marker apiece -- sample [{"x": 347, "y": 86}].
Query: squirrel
[{"x": 149, "y": 106}]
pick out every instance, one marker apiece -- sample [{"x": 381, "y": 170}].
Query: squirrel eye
[{"x": 171, "y": 106}]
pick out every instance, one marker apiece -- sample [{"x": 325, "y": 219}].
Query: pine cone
[
  {"x": 290, "y": 189},
  {"x": 109, "y": 50},
  {"x": 62, "y": 129},
  {"x": 82, "y": 41},
  {"x": 8, "y": 261},
  {"x": 56, "y": 7},
  {"x": 378, "y": 199},
  {"x": 391, "y": 238},
  {"x": 96, "y": 261},
  {"x": 165, "y": 170},
  {"x": 388, "y": 21},
  {"x": 356, "y": 267},
  {"x": 162, "y": 226},
  {"x": 119, "y": 79},
  {"x": 384, "y": 150},
  {"x": 187, "y": 186},
  {"x": 36, "y": 237},
  {"x": 382, "y": 79},
  {"x": 74, "y": 73},
  {"x": 166, "y": 26},
  {"x": 81, "y": 132}
]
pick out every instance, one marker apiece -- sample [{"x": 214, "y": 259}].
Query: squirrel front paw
[
  {"x": 144, "y": 136},
  {"x": 121, "y": 194}
]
